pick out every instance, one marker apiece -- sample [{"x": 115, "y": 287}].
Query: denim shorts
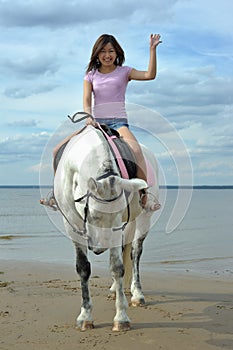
[{"x": 113, "y": 123}]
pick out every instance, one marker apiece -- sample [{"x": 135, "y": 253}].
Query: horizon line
[{"x": 161, "y": 186}]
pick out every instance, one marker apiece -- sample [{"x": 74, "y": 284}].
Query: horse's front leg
[
  {"x": 121, "y": 320},
  {"x": 84, "y": 320},
  {"x": 137, "y": 298}
]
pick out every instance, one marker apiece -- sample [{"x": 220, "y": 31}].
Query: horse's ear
[{"x": 132, "y": 185}]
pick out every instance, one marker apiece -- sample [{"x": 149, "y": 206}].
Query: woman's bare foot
[
  {"x": 148, "y": 202},
  {"x": 49, "y": 202}
]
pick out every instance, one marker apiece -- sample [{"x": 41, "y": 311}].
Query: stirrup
[
  {"x": 152, "y": 204},
  {"x": 49, "y": 201}
]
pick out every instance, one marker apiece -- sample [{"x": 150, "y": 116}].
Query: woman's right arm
[
  {"x": 87, "y": 101},
  {"x": 87, "y": 96}
]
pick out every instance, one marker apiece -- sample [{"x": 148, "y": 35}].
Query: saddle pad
[{"x": 124, "y": 150}]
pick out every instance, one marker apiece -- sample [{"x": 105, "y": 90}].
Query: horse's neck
[{"x": 88, "y": 151}]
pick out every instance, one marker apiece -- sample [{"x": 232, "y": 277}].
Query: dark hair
[{"x": 103, "y": 40}]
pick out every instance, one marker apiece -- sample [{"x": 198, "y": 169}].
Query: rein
[{"x": 85, "y": 116}]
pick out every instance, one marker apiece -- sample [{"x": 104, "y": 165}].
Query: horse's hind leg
[
  {"x": 121, "y": 320},
  {"x": 84, "y": 320},
  {"x": 137, "y": 298}
]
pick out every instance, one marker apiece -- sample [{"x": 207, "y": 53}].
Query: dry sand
[{"x": 39, "y": 304}]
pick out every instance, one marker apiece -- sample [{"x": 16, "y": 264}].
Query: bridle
[
  {"x": 89, "y": 195},
  {"x": 98, "y": 199}
]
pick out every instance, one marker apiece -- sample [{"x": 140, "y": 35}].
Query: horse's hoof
[
  {"x": 121, "y": 326},
  {"x": 85, "y": 325},
  {"x": 138, "y": 302}
]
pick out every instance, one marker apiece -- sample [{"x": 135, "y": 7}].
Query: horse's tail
[{"x": 127, "y": 261}]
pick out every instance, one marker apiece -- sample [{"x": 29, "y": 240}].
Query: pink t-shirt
[{"x": 109, "y": 92}]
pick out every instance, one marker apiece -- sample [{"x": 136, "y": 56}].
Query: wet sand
[{"x": 39, "y": 304}]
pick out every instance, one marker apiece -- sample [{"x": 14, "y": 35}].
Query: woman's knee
[
  {"x": 137, "y": 151},
  {"x": 132, "y": 142}
]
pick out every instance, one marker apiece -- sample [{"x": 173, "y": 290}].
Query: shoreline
[
  {"x": 39, "y": 303},
  {"x": 145, "y": 268}
]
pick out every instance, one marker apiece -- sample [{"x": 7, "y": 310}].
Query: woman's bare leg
[
  {"x": 133, "y": 143},
  {"x": 140, "y": 160},
  {"x": 141, "y": 166}
]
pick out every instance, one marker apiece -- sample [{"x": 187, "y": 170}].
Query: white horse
[{"x": 102, "y": 211}]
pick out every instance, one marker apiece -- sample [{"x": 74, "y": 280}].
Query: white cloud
[
  {"x": 18, "y": 148},
  {"x": 29, "y": 90},
  {"x": 208, "y": 15},
  {"x": 37, "y": 168},
  {"x": 42, "y": 64},
  {"x": 54, "y": 13},
  {"x": 29, "y": 123},
  {"x": 216, "y": 164}
]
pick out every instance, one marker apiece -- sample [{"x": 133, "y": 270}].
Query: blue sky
[{"x": 45, "y": 47}]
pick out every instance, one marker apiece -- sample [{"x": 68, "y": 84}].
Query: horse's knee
[
  {"x": 83, "y": 269},
  {"x": 137, "y": 247},
  {"x": 118, "y": 270}
]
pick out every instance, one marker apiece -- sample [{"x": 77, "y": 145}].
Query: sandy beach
[{"x": 39, "y": 304}]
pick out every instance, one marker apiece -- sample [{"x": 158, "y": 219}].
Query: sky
[{"x": 186, "y": 112}]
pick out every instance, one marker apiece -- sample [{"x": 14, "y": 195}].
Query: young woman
[{"x": 106, "y": 80}]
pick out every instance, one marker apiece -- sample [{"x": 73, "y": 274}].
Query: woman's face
[{"x": 107, "y": 55}]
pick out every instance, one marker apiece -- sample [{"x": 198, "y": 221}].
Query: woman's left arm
[{"x": 150, "y": 74}]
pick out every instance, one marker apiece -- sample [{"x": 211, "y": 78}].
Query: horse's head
[
  {"x": 108, "y": 198},
  {"x": 109, "y": 192}
]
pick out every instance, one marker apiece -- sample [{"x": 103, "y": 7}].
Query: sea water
[{"x": 201, "y": 244}]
